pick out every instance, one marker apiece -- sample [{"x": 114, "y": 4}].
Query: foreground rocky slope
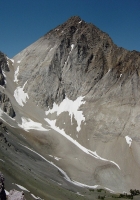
[{"x": 74, "y": 96}]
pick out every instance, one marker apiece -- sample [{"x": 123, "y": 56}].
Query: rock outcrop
[
  {"x": 16, "y": 195},
  {"x": 2, "y": 191},
  {"x": 5, "y": 103}
]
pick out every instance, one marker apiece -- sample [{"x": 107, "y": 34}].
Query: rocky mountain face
[
  {"x": 72, "y": 100},
  {"x": 5, "y": 103}
]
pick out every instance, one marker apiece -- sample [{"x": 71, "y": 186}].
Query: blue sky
[{"x": 24, "y": 21}]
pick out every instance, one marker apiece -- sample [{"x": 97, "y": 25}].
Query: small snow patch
[
  {"x": 2, "y": 160},
  {"x": 22, "y": 188},
  {"x": 128, "y": 140},
  {"x": 16, "y": 75},
  {"x": 28, "y": 124},
  {"x": 7, "y": 193},
  {"x": 20, "y": 95},
  {"x": 80, "y": 22},
  {"x": 72, "y": 46},
  {"x": 120, "y": 75},
  {"x": 79, "y": 194},
  {"x": 18, "y": 61},
  {"x": 11, "y": 60},
  {"x": 35, "y": 197},
  {"x": 56, "y": 158}
]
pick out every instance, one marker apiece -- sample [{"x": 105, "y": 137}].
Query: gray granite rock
[{"x": 16, "y": 195}]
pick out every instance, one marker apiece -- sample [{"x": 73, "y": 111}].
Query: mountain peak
[{"x": 74, "y": 19}]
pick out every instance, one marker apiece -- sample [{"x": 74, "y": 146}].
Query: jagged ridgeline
[{"x": 70, "y": 111}]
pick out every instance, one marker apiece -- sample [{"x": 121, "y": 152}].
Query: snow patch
[
  {"x": 87, "y": 151},
  {"x": 56, "y": 158},
  {"x": 35, "y": 197},
  {"x": 7, "y": 193},
  {"x": 18, "y": 61},
  {"x": 72, "y": 46},
  {"x": 2, "y": 160},
  {"x": 16, "y": 75},
  {"x": 80, "y": 22},
  {"x": 120, "y": 75},
  {"x": 22, "y": 188},
  {"x": 28, "y": 124},
  {"x": 12, "y": 60},
  {"x": 128, "y": 140},
  {"x": 79, "y": 194},
  {"x": 20, "y": 95},
  {"x": 72, "y": 107}
]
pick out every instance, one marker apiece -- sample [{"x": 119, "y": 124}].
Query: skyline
[{"x": 25, "y": 21}]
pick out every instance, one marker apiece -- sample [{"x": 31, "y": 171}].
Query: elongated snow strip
[
  {"x": 64, "y": 173},
  {"x": 28, "y": 124},
  {"x": 22, "y": 188},
  {"x": 87, "y": 151}
]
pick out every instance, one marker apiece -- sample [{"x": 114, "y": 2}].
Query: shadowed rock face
[
  {"x": 5, "y": 103},
  {"x": 2, "y": 191},
  {"x": 76, "y": 98}
]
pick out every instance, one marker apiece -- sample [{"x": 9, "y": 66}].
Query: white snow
[
  {"x": 35, "y": 197},
  {"x": 2, "y": 160},
  {"x": 80, "y": 22},
  {"x": 28, "y": 124},
  {"x": 79, "y": 194},
  {"x": 11, "y": 60},
  {"x": 22, "y": 188},
  {"x": 18, "y": 61},
  {"x": 16, "y": 75},
  {"x": 20, "y": 95},
  {"x": 111, "y": 191},
  {"x": 56, "y": 158},
  {"x": 128, "y": 140},
  {"x": 7, "y": 193},
  {"x": 51, "y": 49},
  {"x": 120, "y": 75},
  {"x": 87, "y": 151},
  {"x": 72, "y": 107},
  {"x": 72, "y": 46},
  {"x": 7, "y": 62}
]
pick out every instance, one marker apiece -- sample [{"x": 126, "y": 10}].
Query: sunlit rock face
[{"x": 75, "y": 100}]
